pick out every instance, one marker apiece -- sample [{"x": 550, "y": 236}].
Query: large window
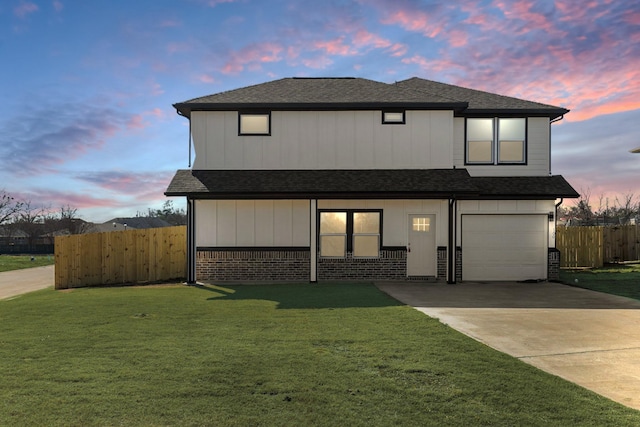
[
  {"x": 254, "y": 124},
  {"x": 496, "y": 141},
  {"x": 357, "y": 232}
]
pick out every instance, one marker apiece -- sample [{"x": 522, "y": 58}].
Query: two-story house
[{"x": 315, "y": 179}]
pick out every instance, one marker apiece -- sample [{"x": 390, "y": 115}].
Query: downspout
[
  {"x": 556, "y": 210},
  {"x": 451, "y": 253},
  {"x": 191, "y": 242}
]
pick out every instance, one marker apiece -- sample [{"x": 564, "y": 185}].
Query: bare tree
[
  {"x": 31, "y": 220},
  {"x": 625, "y": 208},
  {"x": 9, "y": 207},
  {"x": 68, "y": 219}
]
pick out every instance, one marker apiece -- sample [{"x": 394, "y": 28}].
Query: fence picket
[
  {"x": 131, "y": 256},
  {"x": 595, "y": 245}
]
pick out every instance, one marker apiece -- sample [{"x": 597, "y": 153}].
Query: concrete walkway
[
  {"x": 586, "y": 337},
  {"x": 19, "y": 282}
]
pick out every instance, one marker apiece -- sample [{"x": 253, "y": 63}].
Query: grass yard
[
  {"x": 17, "y": 262},
  {"x": 277, "y": 355},
  {"x": 617, "y": 279}
]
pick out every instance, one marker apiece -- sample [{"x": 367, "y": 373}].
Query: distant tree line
[
  {"x": 622, "y": 210},
  {"x": 24, "y": 223},
  {"x": 168, "y": 212}
]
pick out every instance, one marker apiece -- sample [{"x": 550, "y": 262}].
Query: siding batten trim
[{"x": 313, "y": 234}]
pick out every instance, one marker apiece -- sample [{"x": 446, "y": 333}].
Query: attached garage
[{"x": 504, "y": 247}]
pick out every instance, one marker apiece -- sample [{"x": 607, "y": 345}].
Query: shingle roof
[
  {"x": 297, "y": 93},
  {"x": 387, "y": 183},
  {"x": 479, "y": 101}
]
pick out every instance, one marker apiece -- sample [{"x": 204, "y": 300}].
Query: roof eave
[
  {"x": 552, "y": 113},
  {"x": 185, "y": 108}
]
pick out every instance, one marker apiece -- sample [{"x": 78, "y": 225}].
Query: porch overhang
[{"x": 362, "y": 184}]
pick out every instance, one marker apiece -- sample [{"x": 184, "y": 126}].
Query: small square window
[
  {"x": 393, "y": 117},
  {"x": 254, "y": 124}
]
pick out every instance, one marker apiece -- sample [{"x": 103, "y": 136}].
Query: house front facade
[{"x": 330, "y": 179}]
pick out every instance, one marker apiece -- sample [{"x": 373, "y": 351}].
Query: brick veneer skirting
[
  {"x": 553, "y": 266},
  {"x": 253, "y": 265},
  {"x": 442, "y": 262},
  {"x": 458, "y": 264},
  {"x": 392, "y": 265}
]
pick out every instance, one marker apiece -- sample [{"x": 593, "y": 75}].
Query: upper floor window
[
  {"x": 393, "y": 117},
  {"x": 496, "y": 141},
  {"x": 254, "y": 123}
]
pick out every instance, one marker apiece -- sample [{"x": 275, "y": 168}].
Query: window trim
[
  {"x": 349, "y": 238},
  {"x": 394, "y": 122},
  {"x": 254, "y": 113},
  {"x": 495, "y": 143}
]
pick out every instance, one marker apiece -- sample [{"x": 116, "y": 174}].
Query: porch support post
[
  {"x": 191, "y": 241},
  {"x": 313, "y": 243},
  {"x": 451, "y": 252}
]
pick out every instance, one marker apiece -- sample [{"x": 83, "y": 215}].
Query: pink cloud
[
  {"x": 335, "y": 47},
  {"x": 206, "y": 78},
  {"x": 317, "y": 62},
  {"x": 56, "y": 199},
  {"x": 415, "y": 20},
  {"x": 255, "y": 55},
  {"x": 25, "y": 8},
  {"x": 521, "y": 10},
  {"x": 58, "y": 6},
  {"x": 141, "y": 185},
  {"x": 458, "y": 38},
  {"x": 365, "y": 38},
  {"x": 138, "y": 122}
]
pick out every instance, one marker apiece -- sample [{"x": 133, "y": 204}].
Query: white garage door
[{"x": 504, "y": 247}]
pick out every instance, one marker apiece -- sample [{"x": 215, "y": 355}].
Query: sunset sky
[{"x": 87, "y": 86}]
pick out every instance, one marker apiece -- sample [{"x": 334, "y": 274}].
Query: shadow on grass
[{"x": 304, "y": 296}]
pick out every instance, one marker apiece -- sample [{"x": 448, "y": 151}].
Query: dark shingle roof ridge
[
  {"x": 399, "y": 83},
  {"x": 323, "y": 90},
  {"x": 470, "y": 90}
]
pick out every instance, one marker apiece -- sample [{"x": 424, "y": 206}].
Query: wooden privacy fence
[
  {"x": 593, "y": 246},
  {"x": 118, "y": 257}
]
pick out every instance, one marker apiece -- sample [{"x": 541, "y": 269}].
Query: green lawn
[
  {"x": 17, "y": 262},
  {"x": 617, "y": 279},
  {"x": 277, "y": 355}
]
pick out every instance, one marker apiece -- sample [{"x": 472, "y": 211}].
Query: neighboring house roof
[
  {"x": 387, "y": 183},
  {"x": 9, "y": 231},
  {"x": 301, "y": 93},
  {"x": 139, "y": 222}
]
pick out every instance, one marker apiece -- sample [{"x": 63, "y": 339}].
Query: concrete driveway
[
  {"x": 19, "y": 282},
  {"x": 586, "y": 337}
]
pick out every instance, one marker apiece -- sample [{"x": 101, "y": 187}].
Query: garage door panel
[{"x": 504, "y": 247}]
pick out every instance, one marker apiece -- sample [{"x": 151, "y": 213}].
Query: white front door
[{"x": 421, "y": 247}]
